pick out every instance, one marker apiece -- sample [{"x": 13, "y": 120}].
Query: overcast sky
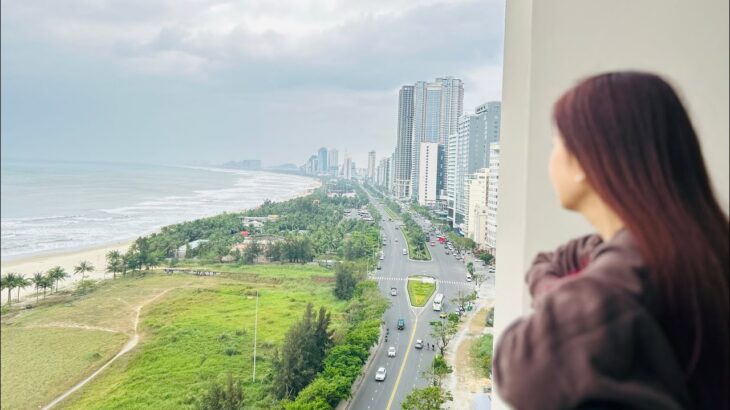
[{"x": 177, "y": 81}]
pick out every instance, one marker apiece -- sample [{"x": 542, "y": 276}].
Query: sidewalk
[{"x": 465, "y": 383}]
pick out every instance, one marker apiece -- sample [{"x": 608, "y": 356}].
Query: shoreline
[{"x": 96, "y": 255}]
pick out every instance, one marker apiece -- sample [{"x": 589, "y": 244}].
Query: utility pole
[{"x": 255, "y": 330}]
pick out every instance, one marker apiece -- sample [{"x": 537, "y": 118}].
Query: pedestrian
[{"x": 636, "y": 315}]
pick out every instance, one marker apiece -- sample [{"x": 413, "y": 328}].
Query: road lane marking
[{"x": 403, "y": 366}]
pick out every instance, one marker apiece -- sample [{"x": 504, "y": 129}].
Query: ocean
[{"x": 50, "y": 206}]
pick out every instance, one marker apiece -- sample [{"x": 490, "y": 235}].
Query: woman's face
[{"x": 567, "y": 176}]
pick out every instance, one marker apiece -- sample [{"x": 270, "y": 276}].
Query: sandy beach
[{"x": 68, "y": 259}]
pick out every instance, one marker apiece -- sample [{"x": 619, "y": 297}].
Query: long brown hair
[{"x": 633, "y": 138}]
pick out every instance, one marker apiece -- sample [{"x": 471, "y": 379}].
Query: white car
[
  {"x": 405, "y": 251},
  {"x": 380, "y": 374},
  {"x": 391, "y": 351},
  {"x": 468, "y": 278},
  {"x": 419, "y": 344}
]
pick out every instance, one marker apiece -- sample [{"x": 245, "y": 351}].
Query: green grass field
[
  {"x": 199, "y": 330},
  {"x": 37, "y": 363},
  {"x": 419, "y": 292}
]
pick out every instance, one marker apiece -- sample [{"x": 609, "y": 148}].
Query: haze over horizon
[{"x": 213, "y": 81}]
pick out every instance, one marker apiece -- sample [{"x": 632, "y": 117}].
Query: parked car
[
  {"x": 468, "y": 278},
  {"x": 405, "y": 251},
  {"x": 443, "y": 315},
  {"x": 391, "y": 351},
  {"x": 393, "y": 292},
  {"x": 380, "y": 374},
  {"x": 448, "y": 253},
  {"x": 419, "y": 344},
  {"x": 401, "y": 324}
]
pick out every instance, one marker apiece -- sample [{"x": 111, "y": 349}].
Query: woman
[{"x": 635, "y": 317}]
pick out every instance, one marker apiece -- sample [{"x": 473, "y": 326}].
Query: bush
[
  {"x": 482, "y": 352},
  {"x": 85, "y": 287},
  {"x": 222, "y": 397}
]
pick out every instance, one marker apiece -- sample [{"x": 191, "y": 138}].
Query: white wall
[{"x": 549, "y": 46}]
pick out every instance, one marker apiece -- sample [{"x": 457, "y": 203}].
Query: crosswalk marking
[{"x": 447, "y": 282}]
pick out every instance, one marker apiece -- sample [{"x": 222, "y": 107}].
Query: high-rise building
[
  {"x": 348, "y": 167},
  {"x": 402, "y": 168},
  {"x": 470, "y": 156},
  {"x": 437, "y": 107},
  {"x": 371, "y": 166},
  {"x": 475, "y": 219},
  {"x": 428, "y": 172},
  {"x": 333, "y": 161},
  {"x": 322, "y": 159},
  {"x": 491, "y": 114},
  {"x": 391, "y": 173},
  {"x": 492, "y": 197},
  {"x": 382, "y": 173}
]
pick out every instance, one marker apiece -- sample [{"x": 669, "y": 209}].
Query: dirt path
[
  {"x": 126, "y": 348},
  {"x": 466, "y": 381}
]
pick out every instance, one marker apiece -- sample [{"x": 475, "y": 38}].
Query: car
[
  {"x": 433, "y": 244},
  {"x": 405, "y": 251},
  {"x": 391, "y": 351},
  {"x": 419, "y": 344},
  {"x": 443, "y": 315},
  {"x": 382, "y": 257},
  {"x": 393, "y": 292},
  {"x": 396, "y": 239},
  {"x": 468, "y": 278},
  {"x": 448, "y": 253},
  {"x": 379, "y": 267},
  {"x": 380, "y": 374},
  {"x": 401, "y": 324}
]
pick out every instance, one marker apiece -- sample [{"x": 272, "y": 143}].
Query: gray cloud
[{"x": 223, "y": 80}]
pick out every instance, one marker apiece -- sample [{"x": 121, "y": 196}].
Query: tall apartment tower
[
  {"x": 492, "y": 197},
  {"x": 437, "y": 107},
  {"x": 371, "y": 166},
  {"x": 491, "y": 114},
  {"x": 402, "y": 168},
  {"x": 333, "y": 161},
  {"x": 322, "y": 160},
  {"x": 429, "y": 172},
  {"x": 347, "y": 167}
]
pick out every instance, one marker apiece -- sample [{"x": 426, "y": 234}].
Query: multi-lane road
[{"x": 404, "y": 371}]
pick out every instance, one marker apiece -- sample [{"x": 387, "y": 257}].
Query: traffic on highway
[{"x": 407, "y": 348}]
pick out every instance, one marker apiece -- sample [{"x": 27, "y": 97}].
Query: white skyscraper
[
  {"x": 403, "y": 150},
  {"x": 428, "y": 173},
  {"x": 333, "y": 161},
  {"x": 371, "y": 166},
  {"x": 492, "y": 196},
  {"x": 436, "y": 108},
  {"x": 347, "y": 167}
]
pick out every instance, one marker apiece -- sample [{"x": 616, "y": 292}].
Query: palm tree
[
  {"x": 82, "y": 268},
  {"x": 114, "y": 262},
  {"x": 8, "y": 282},
  {"x": 46, "y": 283},
  {"x": 57, "y": 274},
  {"x": 21, "y": 283},
  {"x": 38, "y": 280}
]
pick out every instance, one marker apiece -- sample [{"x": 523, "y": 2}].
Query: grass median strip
[{"x": 419, "y": 291}]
